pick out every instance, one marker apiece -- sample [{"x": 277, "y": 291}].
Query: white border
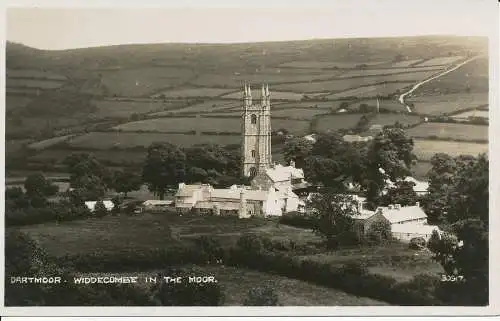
[{"x": 282, "y": 311}]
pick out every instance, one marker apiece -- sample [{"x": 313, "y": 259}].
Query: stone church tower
[{"x": 256, "y": 132}]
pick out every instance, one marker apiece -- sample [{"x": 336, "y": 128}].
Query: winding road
[{"x": 402, "y": 97}]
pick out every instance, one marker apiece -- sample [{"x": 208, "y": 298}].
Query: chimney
[
  {"x": 292, "y": 163},
  {"x": 417, "y": 204},
  {"x": 390, "y": 206},
  {"x": 181, "y": 185},
  {"x": 397, "y": 206},
  {"x": 243, "y": 205}
]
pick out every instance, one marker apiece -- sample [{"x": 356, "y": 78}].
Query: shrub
[
  {"x": 297, "y": 220},
  {"x": 262, "y": 296},
  {"x": 379, "y": 232},
  {"x": 417, "y": 243}
]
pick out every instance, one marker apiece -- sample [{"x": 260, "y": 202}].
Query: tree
[
  {"x": 379, "y": 232},
  {"x": 332, "y": 218},
  {"x": 37, "y": 185},
  {"x": 125, "y": 182},
  {"x": 88, "y": 177},
  {"x": 100, "y": 209},
  {"x": 401, "y": 193},
  {"x": 262, "y": 296},
  {"x": 297, "y": 149},
  {"x": 165, "y": 167}
]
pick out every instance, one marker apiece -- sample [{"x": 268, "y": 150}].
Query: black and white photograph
[{"x": 248, "y": 156}]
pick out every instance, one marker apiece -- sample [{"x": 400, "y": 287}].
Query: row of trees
[{"x": 334, "y": 163}]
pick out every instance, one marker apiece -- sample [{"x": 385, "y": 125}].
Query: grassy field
[
  {"x": 295, "y": 127},
  {"x": 420, "y": 170},
  {"x": 338, "y": 85},
  {"x": 450, "y": 131},
  {"x": 180, "y": 124},
  {"x": 33, "y": 74},
  {"x": 401, "y": 64},
  {"x": 279, "y": 95},
  {"x": 49, "y": 142},
  {"x": 385, "y": 71},
  {"x": 336, "y": 122},
  {"x": 124, "y": 109},
  {"x": 144, "y": 81},
  {"x": 447, "y": 104},
  {"x": 330, "y": 64},
  {"x": 14, "y": 102},
  {"x": 33, "y": 83},
  {"x": 439, "y": 61},
  {"x": 299, "y": 113},
  {"x": 391, "y": 105},
  {"x": 390, "y": 119},
  {"x": 97, "y": 140},
  {"x": 193, "y": 92},
  {"x": 278, "y": 76},
  {"x": 205, "y": 106},
  {"x": 425, "y": 148},
  {"x": 473, "y": 113},
  {"x": 125, "y": 157},
  {"x": 306, "y": 104},
  {"x": 472, "y": 77},
  {"x": 236, "y": 282},
  {"x": 370, "y": 91},
  {"x": 394, "y": 260}
]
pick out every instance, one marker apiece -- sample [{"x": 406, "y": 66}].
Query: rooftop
[
  {"x": 280, "y": 173},
  {"x": 404, "y": 213}
]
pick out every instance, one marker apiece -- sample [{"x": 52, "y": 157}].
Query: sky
[{"x": 68, "y": 27}]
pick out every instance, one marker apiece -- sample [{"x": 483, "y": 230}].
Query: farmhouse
[
  {"x": 241, "y": 201},
  {"x": 406, "y": 222}
]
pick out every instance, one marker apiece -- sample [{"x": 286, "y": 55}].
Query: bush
[
  {"x": 210, "y": 248},
  {"x": 262, "y": 296},
  {"x": 379, "y": 232},
  {"x": 297, "y": 220},
  {"x": 417, "y": 243}
]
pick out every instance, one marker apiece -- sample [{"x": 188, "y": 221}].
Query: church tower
[{"x": 256, "y": 132}]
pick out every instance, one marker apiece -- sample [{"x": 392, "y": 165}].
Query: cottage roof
[
  {"x": 188, "y": 190},
  {"x": 157, "y": 202},
  {"x": 282, "y": 173},
  {"x": 253, "y": 195},
  {"x": 405, "y": 213},
  {"x": 414, "y": 228}
]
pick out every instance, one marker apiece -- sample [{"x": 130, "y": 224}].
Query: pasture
[
  {"x": 33, "y": 74},
  {"x": 391, "y": 119},
  {"x": 193, "y": 92},
  {"x": 424, "y": 149},
  {"x": 124, "y": 109},
  {"x": 205, "y": 106},
  {"x": 299, "y": 113},
  {"x": 439, "y": 61},
  {"x": 279, "y": 76},
  {"x": 371, "y": 91},
  {"x": 344, "y": 64},
  {"x": 338, "y": 85},
  {"x": 276, "y": 95},
  {"x": 337, "y": 121},
  {"x": 420, "y": 170},
  {"x": 183, "y": 124},
  {"x": 236, "y": 282},
  {"x": 472, "y": 77},
  {"x": 118, "y": 157},
  {"x": 401, "y": 64},
  {"x": 122, "y": 140},
  {"x": 144, "y": 81},
  {"x": 14, "y": 102},
  {"x": 385, "y": 71},
  {"x": 394, "y": 260},
  {"x": 33, "y": 83},
  {"x": 473, "y": 113},
  {"x": 450, "y": 131},
  {"x": 447, "y": 104},
  {"x": 43, "y": 144},
  {"x": 388, "y": 104},
  {"x": 295, "y": 127}
]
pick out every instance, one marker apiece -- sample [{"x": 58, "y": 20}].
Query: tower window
[
  {"x": 253, "y": 171},
  {"x": 254, "y": 119},
  {"x": 253, "y": 153}
]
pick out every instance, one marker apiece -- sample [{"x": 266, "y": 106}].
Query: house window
[
  {"x": 253, "y": 153},
  {"x": 253, "y": 119},
  {"x": 253, "y": 171}
]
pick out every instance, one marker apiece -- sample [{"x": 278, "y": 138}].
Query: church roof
[{"x": 280, "y": 173}]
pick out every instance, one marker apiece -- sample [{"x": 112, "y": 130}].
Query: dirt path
[{"x": 415, "y": 87}]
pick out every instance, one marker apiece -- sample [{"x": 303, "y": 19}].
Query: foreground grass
[{"x": 236, "y": 283}]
